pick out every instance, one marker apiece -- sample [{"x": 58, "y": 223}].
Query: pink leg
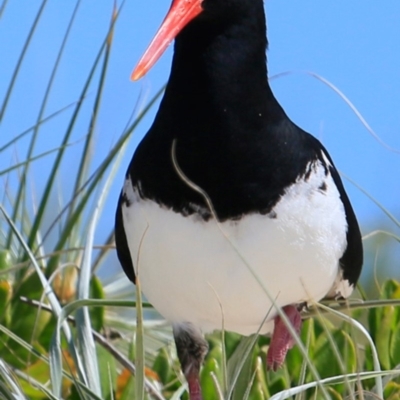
[
  {"x": 191, "y": 348},
  {"x": 281, "y": 340},
  {"x": 194, "y": 387}
]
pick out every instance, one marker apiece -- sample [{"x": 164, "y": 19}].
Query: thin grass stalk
[
  {"x": 108, "y": 245},
  {"x": 139, "y": 345},
  {"x": 303, "y": 370},
  {"x": 381, "y": 232},
  {"x": 253, "y": 376},
  {"x": 86, "y": 157},
  {"x": 110, "y": 383},
  {"x": 50, "y": 182},
  {"x": 84, "y": 329},
  {"x": 216, "y": 386},
  {"x": 73, "y": 306},
  {"x": 32, "y": 159},
  {"x": 21, "y": 57},
  {"x": 18, "y": 137},
  {"x": 6, "y": 197},
  {"x": 145, "y": 110},
  {"x": 363, "y": 305},
  {"x": 17, "y": 201},
  {"x": 24, "y": 264},
  {"x": 354, "y": 109},
  {"x": 224, "y": 361},
  {"x": 376, "y": 202},
  {"x": 345, "y": 99},
  {"x": 86, "y": 342}
]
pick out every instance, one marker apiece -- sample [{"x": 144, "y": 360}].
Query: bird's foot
[
  {"x": 282, "y": 340},
  {"x": 191, "y": 348}
]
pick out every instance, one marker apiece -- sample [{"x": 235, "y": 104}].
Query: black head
[
  {"x": 229, "y": 9},
  {"x": 214, "y": 13}
]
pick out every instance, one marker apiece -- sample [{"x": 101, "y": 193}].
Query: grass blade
[
  {"x": 345, "y": 99},
  {"x": 354, "y": 377},
  {"x": 18, "y": 137},
  {"x": 86, "y": 342},
  {"x": 21, "y": 57},
  {"x": 377, "y": 367},
  {"x": 384, "y": 209},
  {"x": 139, "y": 345},
  {"x": 56, "y": 374},
  {"x": 32, "y": 159},
  {"x": 53, "y": 173},
  {"x": 92, "y": 183},
  {"x": 9, "y": 388},
  {"x": 85, "y": 159}
]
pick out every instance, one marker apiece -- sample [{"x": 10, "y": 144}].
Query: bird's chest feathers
[{"x": 292, "y": 253}]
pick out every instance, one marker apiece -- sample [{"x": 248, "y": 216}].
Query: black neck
[
  {"x": 219, "y": 76},
  {"x": 232, "y": 136}
]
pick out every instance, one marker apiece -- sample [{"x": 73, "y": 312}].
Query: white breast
[{"x": 190, "y": 269}]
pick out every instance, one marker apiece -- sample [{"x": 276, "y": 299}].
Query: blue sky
[{"x": 352, "y": 44}]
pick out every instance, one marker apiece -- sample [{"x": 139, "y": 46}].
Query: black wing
[
  {"x": 352, "y": 259},
  {"x": 121, "y": 243}
]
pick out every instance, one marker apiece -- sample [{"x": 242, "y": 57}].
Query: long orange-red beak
[{"x": 179, "y": 15}]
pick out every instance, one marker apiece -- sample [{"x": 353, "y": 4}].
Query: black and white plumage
[{"x": 277, "y": 196}]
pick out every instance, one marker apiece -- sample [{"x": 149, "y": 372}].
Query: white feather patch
[{"x": 190, "y": 270}]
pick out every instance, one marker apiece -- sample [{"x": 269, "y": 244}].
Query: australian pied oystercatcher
[{"x": 225, "y": 198}]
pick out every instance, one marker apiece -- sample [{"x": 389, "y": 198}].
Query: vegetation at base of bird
[{"x": 67, "y": 334}]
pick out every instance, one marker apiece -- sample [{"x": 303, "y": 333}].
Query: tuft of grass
[{"x": 47, "y": 354}]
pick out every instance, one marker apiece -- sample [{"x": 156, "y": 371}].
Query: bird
[{"x": 230, "y": 214}]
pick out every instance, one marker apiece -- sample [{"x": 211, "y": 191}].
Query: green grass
[{"x": 66, "y": 334}]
